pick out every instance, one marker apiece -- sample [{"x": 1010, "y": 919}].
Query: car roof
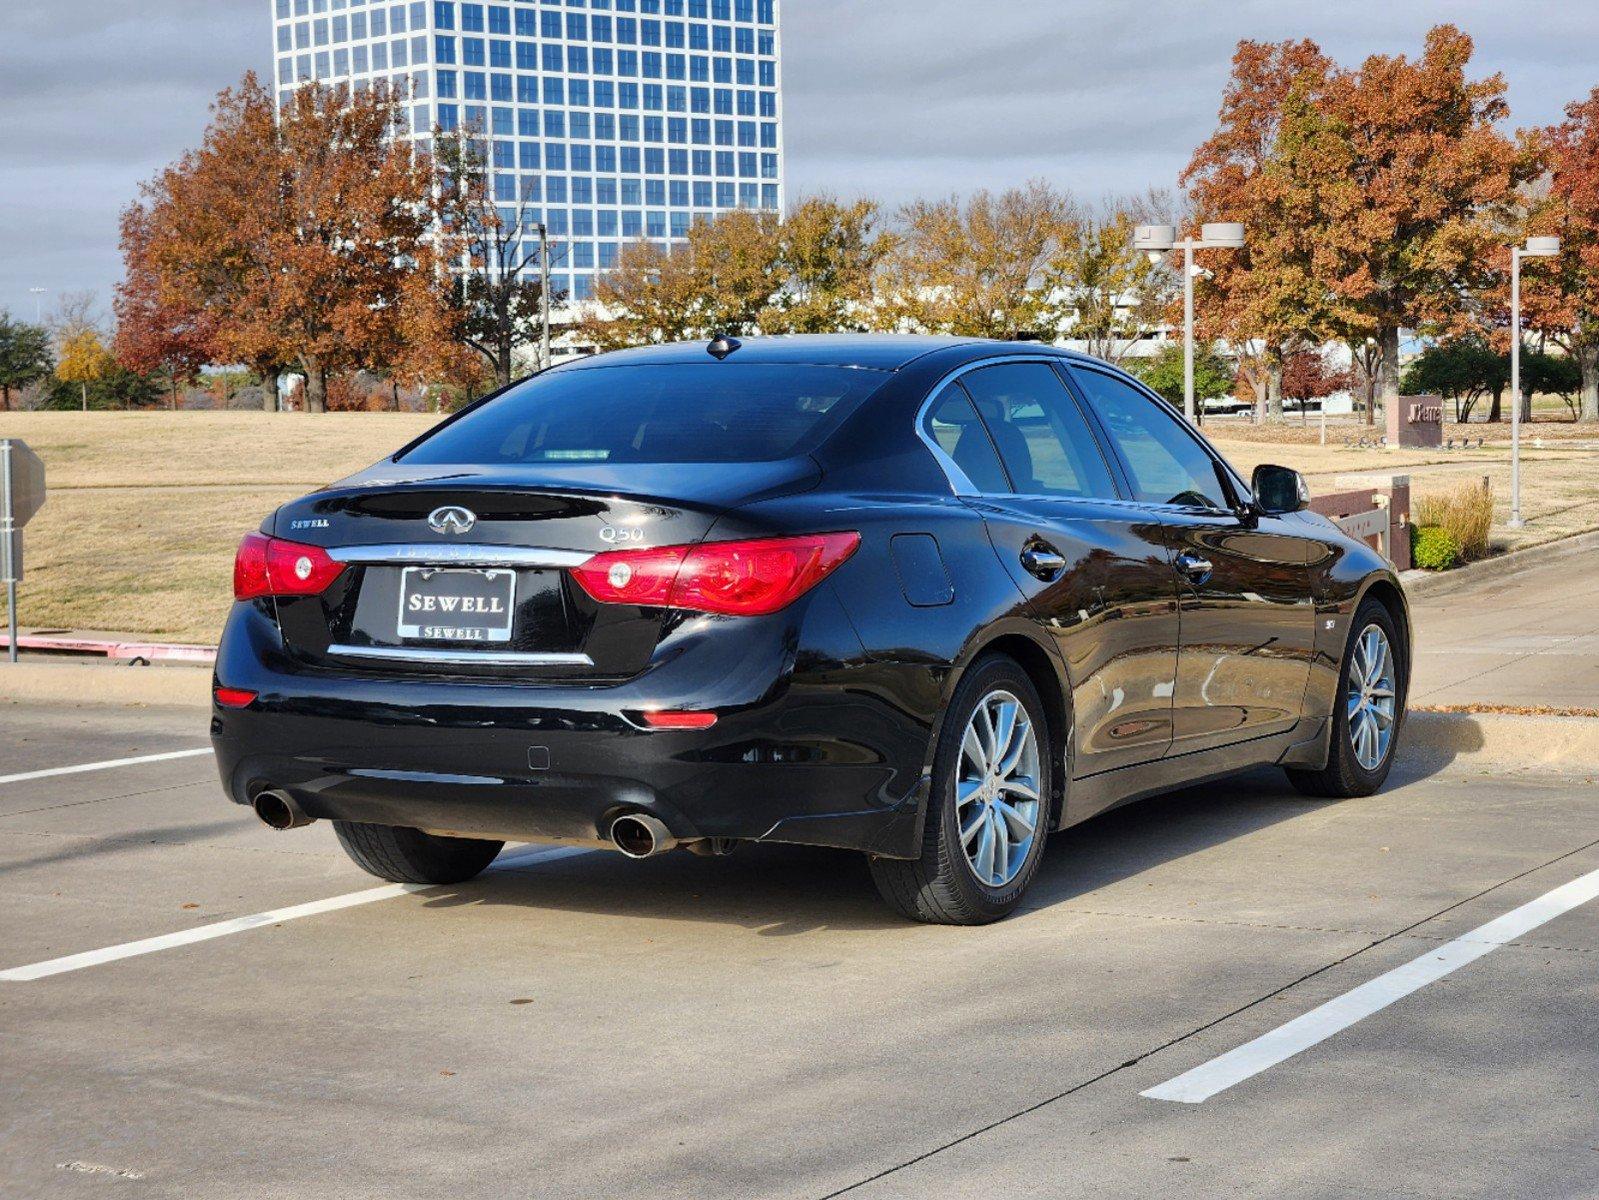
[{"x": 877, "y": 351}]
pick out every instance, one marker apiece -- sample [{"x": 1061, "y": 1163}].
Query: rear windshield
[{"x": 719, "y": 412}]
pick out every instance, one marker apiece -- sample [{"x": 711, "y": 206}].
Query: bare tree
[{"x": 493, "y": 247}]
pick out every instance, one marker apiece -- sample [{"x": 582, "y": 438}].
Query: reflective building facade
[{"x": 612, "y": 120}]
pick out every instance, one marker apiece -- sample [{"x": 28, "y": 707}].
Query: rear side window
[
  {"x": 1166, "y": 463},
  {"x": 717, "y": 413},
  {"x": 952, "y": 423},
  {"x": 1042, "y": 436}
]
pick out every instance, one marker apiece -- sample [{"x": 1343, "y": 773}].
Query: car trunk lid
[{"x": 466, "y": 571}]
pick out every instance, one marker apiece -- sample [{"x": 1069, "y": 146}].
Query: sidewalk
[{"x": 1526, "y": 639}]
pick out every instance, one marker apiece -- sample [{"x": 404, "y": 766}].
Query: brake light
[
  {"x": 266, "y": 566},
  {"x": 740, "y": 579}
]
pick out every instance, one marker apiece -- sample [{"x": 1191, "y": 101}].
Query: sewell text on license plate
[{"x": 439, "y": 605}]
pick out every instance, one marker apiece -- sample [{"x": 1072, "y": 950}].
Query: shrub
[
  {"x": 1433, "y": 548},
  {"x": 1466, "y": 512}
]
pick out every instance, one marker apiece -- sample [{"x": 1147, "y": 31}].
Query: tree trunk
[
  {"x": 269, "y": 392},
  {"x": 1274, "y": 392},
  {"x": 316, "y": 388},
  {"x": 1588, "y": 363},
  {"x": 1495, "y": 410},
  {"x": 174, "y": 392},
  {"x": 1387, "y": 389},
  {"x": 84, "y": 384},
  {"x": 5, "y": 397}
]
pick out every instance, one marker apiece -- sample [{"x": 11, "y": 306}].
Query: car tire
[
  {"x": 943, "y": 886},
  {"x": 1345, "y": 775},
  {"x": 404, "y": 855}
]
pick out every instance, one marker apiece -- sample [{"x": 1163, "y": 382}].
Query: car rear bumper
[{"x": 795, "y": 756}]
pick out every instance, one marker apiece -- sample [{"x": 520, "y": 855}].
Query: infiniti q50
[{"x": 927, "y": 599}]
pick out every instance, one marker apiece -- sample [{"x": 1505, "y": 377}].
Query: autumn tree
[
  {"x": 159, "y": 334},
  {"x": 827, "y": 255},
  {"x": 976, "y": 268},
  {"x": 719, "y": 279},
  {"x": 1097, "y": 288},
  {"x": 1561, "y": 295},
  {"x": 295, "y": 231},
  {"x": 84, "y": 360},
  {"x": 1264, "y": 298},
  {"x": 1309, "y": 373},
  {"x": 1399, "y": 176},
  {"x": 25, "y": 356}
]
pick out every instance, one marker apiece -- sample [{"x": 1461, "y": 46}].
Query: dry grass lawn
[{"x": 145, "y": 509}]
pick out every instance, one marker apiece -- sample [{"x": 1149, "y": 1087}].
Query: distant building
[{"x": 614, "y": 120}]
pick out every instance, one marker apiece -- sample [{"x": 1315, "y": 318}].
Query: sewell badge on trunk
[{"x": 438, "y": 605}]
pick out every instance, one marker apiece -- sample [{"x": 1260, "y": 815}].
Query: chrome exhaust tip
[
  {"x": 279, "y": 811},
  {"x": 639, "y": 835}
]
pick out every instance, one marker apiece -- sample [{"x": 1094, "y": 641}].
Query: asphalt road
[{"x": 583, "y": 1026}]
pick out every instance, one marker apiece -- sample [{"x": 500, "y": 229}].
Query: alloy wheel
[
  {"x": 1372, "y": 698},
  {"x": 997, "y": 803}
]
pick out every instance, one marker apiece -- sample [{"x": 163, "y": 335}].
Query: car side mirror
[{"x": 1279, "y": 490}]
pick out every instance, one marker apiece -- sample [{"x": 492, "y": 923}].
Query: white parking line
[
  {"x": 1319, "y": 1024},
  {"x": 276, "y": 916},
  {"x": 104, "y": 766}
]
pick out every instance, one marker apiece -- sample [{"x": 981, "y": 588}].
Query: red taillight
[
  {"x": 740, "y": 579},
  {"x": 679, "y": 720},
  {"x": 234, "y": 697},
  {"x": 268, "y": 566}
]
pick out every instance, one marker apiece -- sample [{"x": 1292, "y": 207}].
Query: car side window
[
  {"x": 1042, "y": 436},
  {"x": 952, "y": 423},
  {"x": 1166, "y": 464}
]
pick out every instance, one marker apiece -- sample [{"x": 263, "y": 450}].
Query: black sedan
[{"x": 928, "y": 599}]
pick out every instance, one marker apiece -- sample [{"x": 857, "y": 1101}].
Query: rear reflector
[
  {"x": 234, "y": 697},
  {"x": 739, "y": 579},
  {"x": 266, "y": 566},
  {"x": 680, "y": 720}
]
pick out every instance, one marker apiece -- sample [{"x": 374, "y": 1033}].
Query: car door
[
  {"x": 1096, "y": 571},
  {"x": 1248, "y": 621}
]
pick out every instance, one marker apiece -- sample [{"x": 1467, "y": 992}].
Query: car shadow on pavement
[
  {"x": 79, "y": 848},
  {"x": 784, "y": 891}
]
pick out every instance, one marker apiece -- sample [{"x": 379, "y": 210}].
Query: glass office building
[{"x": 612, "y": 120}]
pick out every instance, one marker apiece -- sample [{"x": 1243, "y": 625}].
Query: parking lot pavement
[{"x": 760, "y": 1025}]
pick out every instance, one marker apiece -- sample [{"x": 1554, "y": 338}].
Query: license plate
[{"x": 439, "y": 605}]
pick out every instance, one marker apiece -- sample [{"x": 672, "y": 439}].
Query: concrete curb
[
  {"x": 1434, "y": 739},
  {"x": 101, "y": 683},
  {"x": 1432, "y": 583}
]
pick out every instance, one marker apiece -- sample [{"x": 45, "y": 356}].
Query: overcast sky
[{"x": 890, "y": 97}]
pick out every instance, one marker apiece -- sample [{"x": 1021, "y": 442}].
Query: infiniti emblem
[{"x": 452, "y": 518}]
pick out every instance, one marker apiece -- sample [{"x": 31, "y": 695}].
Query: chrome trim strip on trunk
[
  {"x": 449, "y": 554},
  {"x": 483, "y": 658}
]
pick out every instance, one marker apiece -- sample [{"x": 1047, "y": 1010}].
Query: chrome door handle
[
  {"x": 1044, "y": 561},
  {"x": 1197, "y": 569}
]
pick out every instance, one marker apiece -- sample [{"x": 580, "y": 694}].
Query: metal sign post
[{"x": 21, "y": 495}]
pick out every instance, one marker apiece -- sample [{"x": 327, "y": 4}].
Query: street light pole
[
  {"x": 1157, "y": 240},
  {"x": 1538, "y": 247},
  {"x": 1190, "y": 409},
  {"x": 38, "y": 304}
]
